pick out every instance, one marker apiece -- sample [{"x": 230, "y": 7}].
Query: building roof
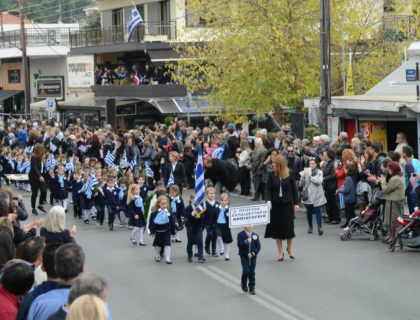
[{"x": 11, "y": 19}]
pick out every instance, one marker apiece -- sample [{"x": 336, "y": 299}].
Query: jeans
[
  {"x": 245, "y": 179},
  {"x": 195, "y": 238},
  {"x": 210, "y": 237},
  {"x": 112, "y": 211},
  {"x": 310, "y": 210},
  {"x": 100, "y": 212},
  {"x": 248, "y": 271},
  {"x": 331, "y": 206},
  {"x": 412, "y": 202},
  {"x": 35, "y": 185}
]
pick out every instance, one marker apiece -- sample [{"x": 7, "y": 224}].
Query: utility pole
[
  {"x": 26, "y": 79},
  {"x": 325, "y": 64},
  {"x": 343, "y": 54}
]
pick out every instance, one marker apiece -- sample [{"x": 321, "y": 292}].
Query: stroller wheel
[
  {"x": 373, "y": 237},
  {"x": 391, "y": 246},
  {"x": 348, "y": 235},
  {"x": 343, "y": 237}
]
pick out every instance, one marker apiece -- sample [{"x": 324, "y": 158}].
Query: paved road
[{"x": 329, "y": 279}]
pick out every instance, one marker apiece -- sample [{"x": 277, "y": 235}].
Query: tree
[{"x": 93, "y": 20}]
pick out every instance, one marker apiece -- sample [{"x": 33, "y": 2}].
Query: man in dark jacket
[
  {"x": 378, "y": 156},
  {"x": 222, "y": 174},
  {"x": 232, "y": 145},
  {"x": 330, "y": 187}
]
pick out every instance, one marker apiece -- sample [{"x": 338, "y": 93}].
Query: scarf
[
  {"x": 173, "y": 205},
  {"x": 162, "y": 217},
  {"x": 138, "y": 202},
  {"x": 61, "y": 181},
  {"x": 121, "y": 193},
  {"x": 221, "y": 219}
]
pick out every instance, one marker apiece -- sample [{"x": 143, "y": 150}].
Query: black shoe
[
  {"x": 111, "y": 228},
  {"x": 244, "y": 287},
  {"x": 242, "y": 193},
  {"x": 343, "y": 226},
  {"x": 282, "y": 258},
  {"x": 189, "y": 259},
  {"x": 66, "y": 211},
  {"x": 196, "y": 254},
  {"x": 41, "y": 208},
  {"x": 134, "y": 242},
  {"x": 291, "y": 257},
  {"x": 87, "y": 221},
  {"x": 335, "y": 222},
  {"x": 201, "y": 259},
  {"x": 34, "y": 212},
  {"x": 222, "y": 253},
  {"x": 168, "y": 262},
  {"x": 142, "y": 244},
  {"x": 320, "y": 231},
  {"x": 310, "y": 230},
  {"x": 178, "y": 241},
  {"x": 387, "y": 241},
  {"x": 255, "y": 199},
  {"x": 157, "y": 259},
  {"x": 227, "y": 259},
  {"x": 51, "y": 203},
  {"x": 208, "y": 252},
  {"x": 214, "y": 254},
  {"x": 252, "y": 292},
  {"x": 327, "y": 221}
]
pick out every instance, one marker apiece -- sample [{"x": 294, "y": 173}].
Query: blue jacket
[
  {"x": 22, "y": 137},
  {"x": 75, "y": 186},
  {"x": 111, "y": 198},
  {"x": 244, "y": 247},
  {"x": 349, "y": 190}
]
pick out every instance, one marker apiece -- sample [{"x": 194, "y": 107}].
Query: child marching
[
  {"x": 135, "y": 210},
  {"x": 194, "y": 225},
  {"x": 221, "y": 226}
]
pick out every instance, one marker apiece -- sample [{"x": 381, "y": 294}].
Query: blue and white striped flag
[
  {"x": 200, "y": 191},
  {"x": 26, "y": 164},
  {"x": 109, "y": 159},
  {"x": 70, "y": 165},
  {"x": 149, "y": 171},
  {"x": 133, "y": 163},
  {"x": 53, "y": 147},
  {"x": 29, "y": 149},
  {"x": 50, "y": 163},
  {"x": 171, "y": 180},
  {"x": 12, "y": 164},
  {"x": 87, "y": 188},
  {"x": 218, "y": 153},
  {"x": 134, "y": 21},
  {"x": 82, "y": 148},
  {"x": 123, "y": 161}
]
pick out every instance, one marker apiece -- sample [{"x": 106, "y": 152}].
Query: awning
[
  {"x": 6, "y": 94},
  {"x": 163, "y": 55}
]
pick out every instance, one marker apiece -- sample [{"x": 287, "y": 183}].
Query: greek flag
[
  {"x": 70, "y": 165},
  {"x": 26, "y": 164},
  {"x": 133, "y": 163},
  {"x": 87, "y": 188},
  {"x": 124, "y": 162},
  {"x": 50, "y": 163},
  {"x": 134, "y": 21},
  {"x": 149, "y": 171},
  {"x": 53, "y": 147},
  {"x": 200, "y": 192},
  {"x": 171, "y": 180},
  {"x": 218, "y": 153},
  {"x": 29, "y": 149},
  {"x": 109, "y": 159},
  {"x": 12, "y": 164},
  {"x": 82, "y": 148}
]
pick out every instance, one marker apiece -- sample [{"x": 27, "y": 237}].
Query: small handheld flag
[
  {"x": 109, "y": 159},
  {"x": 133, "y": 163},
  {"x": 53, "y": 147},
  {"x": 149, "y": 171},
  {"x": 26, "y": 164},
  {"x": 171, "y": 180},
  {"x": 82, "y": 148},
  {"x": 29, "y": 149}
]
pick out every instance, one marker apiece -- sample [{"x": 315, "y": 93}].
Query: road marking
[
  {"x": 290, "y": 310},
  {"x": 278, "y": 307}
]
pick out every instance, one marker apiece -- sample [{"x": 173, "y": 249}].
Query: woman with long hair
[
  {"x": 282, "y": 197},
  {"x": 36, "y": 178},
  {"x": 244, "y": 162}
]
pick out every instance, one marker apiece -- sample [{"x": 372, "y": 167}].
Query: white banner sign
[
  {"x": 81, "y": 71},
  {"x": 249, "y": 215}
]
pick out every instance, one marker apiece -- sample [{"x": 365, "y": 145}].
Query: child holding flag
[
  {"x": 194, "y": 225},
  {"x": 221, "y": 226},
  {"x": 59, "y": 183},
  {"x": 135, "y": 210},
  {"x": 178, "y": 209}
]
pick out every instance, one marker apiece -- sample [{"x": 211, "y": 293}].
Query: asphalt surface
[{"x": 329, "y": 279}]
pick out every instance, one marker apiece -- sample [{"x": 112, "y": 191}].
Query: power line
[
  {"x": 40, "y": 4},
  {"x": 56, "y": 7}
]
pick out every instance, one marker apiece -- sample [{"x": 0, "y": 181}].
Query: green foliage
[
  {"x": 167, "y": 120},
  {"x": 147, "y": 202},
  {"x": 261, "y": 117},
  {"x": 93, "y": 20},
  {"x": 311, "y": 132}
]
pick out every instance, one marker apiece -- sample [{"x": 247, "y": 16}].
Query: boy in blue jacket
[{"x": 249, "y": 246}]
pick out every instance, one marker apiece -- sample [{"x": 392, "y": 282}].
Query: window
[
  {"x": 117, "y": 17},
  {"x": 164, "y": 12},
  {"x": 126, "y": 110}
]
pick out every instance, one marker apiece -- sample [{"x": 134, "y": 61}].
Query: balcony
[
  {"x": 37, "y": 37},
  {"x": 146, "y": 32}
]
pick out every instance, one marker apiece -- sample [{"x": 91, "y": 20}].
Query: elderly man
[
  {"x": 257, "y": 159},
  {"x": 278, "y": 142},
  {"x": 324, "y": 141},
  {"x": 355, "y": 145},
  {"x": 222, "y": 174}
]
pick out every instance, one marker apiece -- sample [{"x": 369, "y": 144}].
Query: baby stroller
[
  {"x": 409, "y": 235},
  {"x": 369, "y": 222}
]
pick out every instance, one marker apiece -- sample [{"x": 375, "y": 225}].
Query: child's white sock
[
  {"x": 86, "y": 214},
  {"x": 167, "y": 253},
  {"x": 141, "y": 234},
  {"x": 133, "y": 233},
  {"x": 220, "y": 242},
  {"x": 226, "y": 250},
  {"x": 157, "y": 252},
  {"x": 177, "y": 235}
]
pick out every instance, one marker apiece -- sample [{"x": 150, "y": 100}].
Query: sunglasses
[{"x": 290, "y": 151}]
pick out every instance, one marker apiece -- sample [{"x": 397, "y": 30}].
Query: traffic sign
[
  {"x": 51, "y": 104},
  {"x": 410, "y": 75}
]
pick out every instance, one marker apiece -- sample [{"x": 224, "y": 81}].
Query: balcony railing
[
  {"x": 37, "y": 37},
  {"x": 158, "y": 31}
]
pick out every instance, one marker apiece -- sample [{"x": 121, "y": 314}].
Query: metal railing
[
  {"x": 151, "y": 31},
  {"x": 37, "y": 37}
]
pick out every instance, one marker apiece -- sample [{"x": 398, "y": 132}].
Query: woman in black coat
[
  {"x": 282, "y": 196},
  {"x": 177, "y": 169},
  {"x": 93, "y": 150},
  {"x": 36, "y": 179}
]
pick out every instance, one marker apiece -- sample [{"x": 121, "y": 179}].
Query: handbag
[{"x": 305, "y": 193}]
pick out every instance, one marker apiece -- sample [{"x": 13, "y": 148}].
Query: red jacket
[
  {"x": 9, "y": 305},
  {"x": 340, "y": 174}
]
